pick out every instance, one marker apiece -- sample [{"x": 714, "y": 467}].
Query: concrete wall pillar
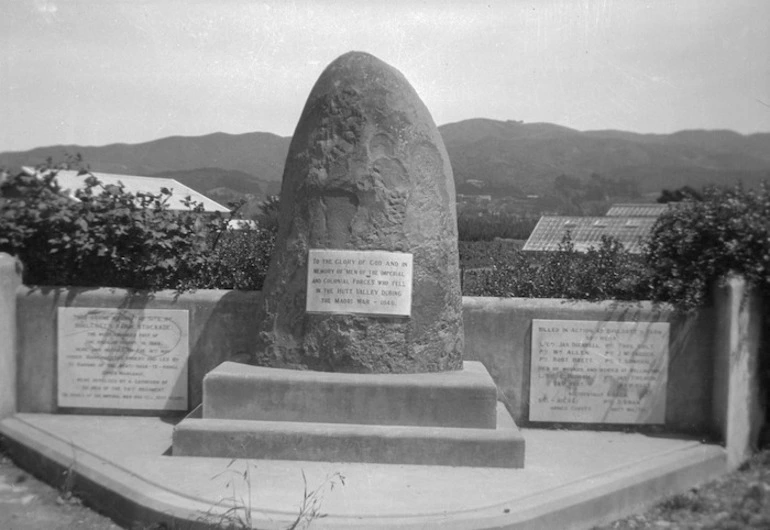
[
  {"x": 10, "y": 280},
  {"x": 738, "y": 406}
]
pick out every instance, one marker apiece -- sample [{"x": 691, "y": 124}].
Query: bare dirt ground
[
  {"x": 738, "y": 501},
  {"x": 28, "y": 504}
]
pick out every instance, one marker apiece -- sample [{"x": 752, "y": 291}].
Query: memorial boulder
[
  {"x": 359, "y": 350},
  {"x": 364, "y": 277}
]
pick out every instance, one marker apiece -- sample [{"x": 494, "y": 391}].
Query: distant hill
[
  {"x": 530, "y": 156},
  {"x": 258, "y": 154},
  {"x": 524, "y": 158},
  {"x": 224, "y": 167}
]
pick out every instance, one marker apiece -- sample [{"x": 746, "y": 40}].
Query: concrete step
[
  {"x": 338, "y": 442},
  {"x": 462, "y": 398}
]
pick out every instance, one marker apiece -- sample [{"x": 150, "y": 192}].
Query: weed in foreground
[
  {"x": 67, "y": 486},
  {"x": 688, "y": 501},
  {"x": 238, "y": 512},
  {"x": 310, "y": 507}
]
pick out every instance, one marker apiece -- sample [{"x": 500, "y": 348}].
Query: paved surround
[{"x": 572, "y": 479}]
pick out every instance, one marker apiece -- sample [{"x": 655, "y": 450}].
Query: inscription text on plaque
[
  {"x": 598, "y": 372},
  {"x": 122, "y": 358},
  {"x": 359, "y": 281}
]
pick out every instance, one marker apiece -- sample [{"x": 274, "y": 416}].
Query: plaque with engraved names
[
  {"x": 122, "y": 358},
  {"x": 365, "y": 282},
  {"x": 599, "y": 371}
]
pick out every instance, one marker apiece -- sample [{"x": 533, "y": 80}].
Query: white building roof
[
  {"x": 587, "y": 232},
  {"x": 69, "y": 181},
  {"x": 637, "y": 210}
]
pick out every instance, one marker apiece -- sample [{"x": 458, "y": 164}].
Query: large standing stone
[{"x": 367, "y": 170}]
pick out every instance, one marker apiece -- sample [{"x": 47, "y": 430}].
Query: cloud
[{"x": 47, "y": 9}]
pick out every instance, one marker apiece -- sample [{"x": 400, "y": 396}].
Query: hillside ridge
[{"x": 523, "y": 158}]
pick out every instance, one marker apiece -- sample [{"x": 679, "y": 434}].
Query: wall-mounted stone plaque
[
  {"x": 359, "y": 281},
  {"x": 122, "y": 358},
  {"x": 598, "y": 372}
]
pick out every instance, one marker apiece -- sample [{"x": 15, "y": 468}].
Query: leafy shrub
[
  {"x": 111, "y": 237},
  {"x": 239, "y": 261},
  {"x": 477, "y": 254},
  {"x": 700, "y": 241},
  {"x": 607, "y": 272},
  {"x": 692, "y": 246},
  {"x": 487, "y": 227}
]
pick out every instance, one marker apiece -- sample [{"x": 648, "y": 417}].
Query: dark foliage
[
  {"x": 608, "y": 272},
  {"x": 111, "y": 237},
  {"x": 240, "y": 261},
  {"x": 479, "y": 254},
  {"x": 489, "y": 227},
  {"x": 700, "y": 241},
  {"x": 705, "y": 238},
  {"x": 679, "y": 195}
]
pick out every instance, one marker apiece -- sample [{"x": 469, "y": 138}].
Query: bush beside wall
[{"x": 108, "y": 236}]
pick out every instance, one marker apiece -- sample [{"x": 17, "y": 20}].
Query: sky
[{"x": 95, "y": 72}]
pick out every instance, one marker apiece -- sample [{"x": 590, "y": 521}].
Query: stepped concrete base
[
  {"x": 444, "y": 418},
  {"x": 572, "y": 480},
  {"x": 338, "y": 442},
  {"x": 462, "y": 398}
]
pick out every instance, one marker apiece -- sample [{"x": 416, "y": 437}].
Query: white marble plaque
[
  {"x": 122, "y": 358},
  {"x": 359, "y": 281},
  {"x": 598, "y": 372}
]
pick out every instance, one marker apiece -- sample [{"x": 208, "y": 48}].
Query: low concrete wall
[
  {"x": 221, "y": 327},
  {"x": 498, "y": 332},
  {"x": 10, "y": 280},
  {"x": 738, "y": 404},
  {"x": 713, "y": 382}
]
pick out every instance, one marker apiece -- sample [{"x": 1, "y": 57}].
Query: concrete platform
[
  {"x": 502, "y": 446},
  {"x": 443, "y": 418},
  {"x": 571, "y": 479},
  {"x": 461, "y": 398}
]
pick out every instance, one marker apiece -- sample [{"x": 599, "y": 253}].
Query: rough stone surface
[{"x": 367, "y": 170}]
